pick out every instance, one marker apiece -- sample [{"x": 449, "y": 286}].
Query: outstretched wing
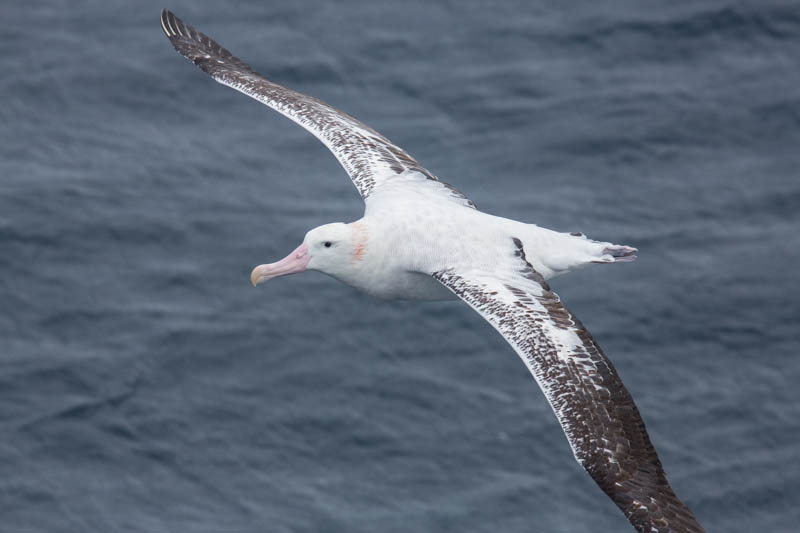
[
  {"x": 368, "y": 157},
  {"x": 596, "y": 411}
]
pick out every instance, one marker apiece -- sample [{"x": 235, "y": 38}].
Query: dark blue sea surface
[{"x": 145, "y": 386}]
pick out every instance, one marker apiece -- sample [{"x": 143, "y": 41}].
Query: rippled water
[{"x": 146, "y": 386}]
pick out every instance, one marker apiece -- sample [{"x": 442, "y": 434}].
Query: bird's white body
[
  {"x": 421, "y": 239},
  {"x": 407, "y": 234}
]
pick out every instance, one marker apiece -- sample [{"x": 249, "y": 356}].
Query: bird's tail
[{"x": 615, "y": 253}]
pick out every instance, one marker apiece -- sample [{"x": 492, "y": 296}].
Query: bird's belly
[{"x": 410, "y": 286}]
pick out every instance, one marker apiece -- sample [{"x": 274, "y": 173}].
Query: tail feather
[{"x": 617, "y": 253}]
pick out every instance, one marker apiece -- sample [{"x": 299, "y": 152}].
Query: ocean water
[{"x": 145, "y": 386}]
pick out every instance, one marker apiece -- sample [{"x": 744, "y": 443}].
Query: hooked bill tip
[{"x": 255, "y": 277}]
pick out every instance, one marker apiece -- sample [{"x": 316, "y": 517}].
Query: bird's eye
[{"x": 328, "y": 244}]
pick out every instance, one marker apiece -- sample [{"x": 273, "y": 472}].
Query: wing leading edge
[
  {"x": 597, "y": 413},
  {"x": 369, "y": 158}
]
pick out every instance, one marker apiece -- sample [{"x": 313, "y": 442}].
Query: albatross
[{"x": 422, "y": 239}]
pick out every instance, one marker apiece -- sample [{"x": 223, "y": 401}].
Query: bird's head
[{"x": 331, "y": 249}]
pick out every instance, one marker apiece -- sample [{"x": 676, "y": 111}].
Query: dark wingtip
[
  {"x": 164, "y": 18},
  {"x": 199, "y": 48},
  {"x": 172, "y": 25}
]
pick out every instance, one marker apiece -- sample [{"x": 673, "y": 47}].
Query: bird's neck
[{"x": 359, "y": 240}]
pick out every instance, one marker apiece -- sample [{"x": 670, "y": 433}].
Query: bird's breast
[{"x": 407, "y": 286}]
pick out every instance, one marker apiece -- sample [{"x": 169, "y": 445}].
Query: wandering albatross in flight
[{"x": 422, "y": 239}]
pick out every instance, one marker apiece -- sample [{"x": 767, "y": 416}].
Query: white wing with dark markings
[
  {"x": 596, "y": 411},
  {"x": 368, "y": 157}
]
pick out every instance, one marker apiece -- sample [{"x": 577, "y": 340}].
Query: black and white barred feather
[
  {"x": 369, "y": 158},
  {"x": 597, "y": 413}
]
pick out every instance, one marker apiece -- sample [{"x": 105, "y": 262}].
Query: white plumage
[{"x": 422, "y": 239}]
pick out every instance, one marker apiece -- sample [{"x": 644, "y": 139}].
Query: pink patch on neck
[{"x": 359, "y": 241}]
